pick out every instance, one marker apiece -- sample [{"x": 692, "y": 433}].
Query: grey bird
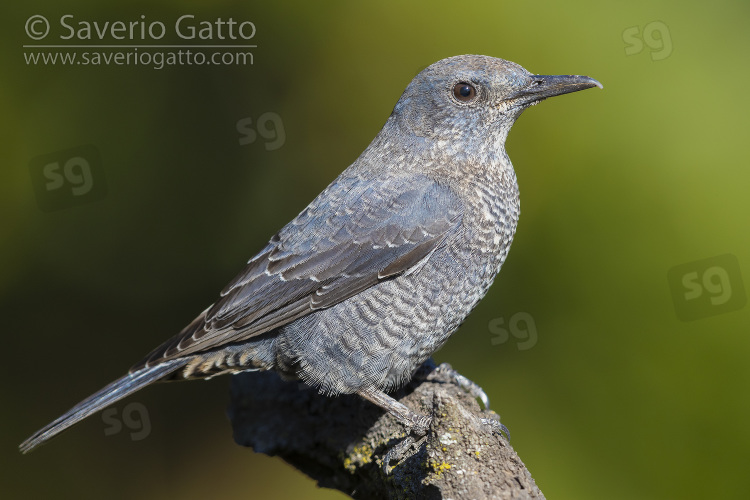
[{"x": 356, "y": 292}]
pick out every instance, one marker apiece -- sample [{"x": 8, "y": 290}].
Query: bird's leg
[
  {"x": 414, "y": 421},
  {"x": 418, "y": 424}
]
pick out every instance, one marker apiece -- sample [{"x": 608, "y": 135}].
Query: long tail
[{"x": 114, "y": 392}]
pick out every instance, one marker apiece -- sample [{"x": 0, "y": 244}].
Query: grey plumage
[
  {"x": 378, "y": 271},
  {"x": 108, "y": 395}
]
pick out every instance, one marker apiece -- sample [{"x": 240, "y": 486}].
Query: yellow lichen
[
  {"x": 360, "y": 455},
  {"x": 440, "y": 468}
]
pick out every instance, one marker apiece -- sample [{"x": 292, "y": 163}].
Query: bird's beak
[{"x": 544, "y": 86}]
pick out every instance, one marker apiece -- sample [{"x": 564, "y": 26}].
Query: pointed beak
[{"x": 544, "y": 86}]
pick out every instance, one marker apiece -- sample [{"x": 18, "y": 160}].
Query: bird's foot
[
  {"x": 402, "y": 450},
  {"x": 431, "y": 372},
  {"x": 416, "y": 424},
  {"x": 496, "y": 426}
]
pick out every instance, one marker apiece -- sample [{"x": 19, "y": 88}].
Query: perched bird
[{"x": 356, "y": 292}]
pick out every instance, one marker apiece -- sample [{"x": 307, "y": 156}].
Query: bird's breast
[{"x": 491, "y": 219}]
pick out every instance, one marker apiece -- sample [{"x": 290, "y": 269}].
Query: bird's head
[{"x": 471, "y": 101}]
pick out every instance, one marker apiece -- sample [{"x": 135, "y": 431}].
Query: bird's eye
[{"x": 464, "y": 92}]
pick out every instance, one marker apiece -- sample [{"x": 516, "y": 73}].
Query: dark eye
[{"x": 464, "y": 92}]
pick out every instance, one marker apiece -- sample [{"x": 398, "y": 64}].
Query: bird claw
[
  {"x": 476, "y": 391},
  {"x": 399, "y": 451},
  {"x": 470, "y": 387},
  {"x": 496, "y": 426}
]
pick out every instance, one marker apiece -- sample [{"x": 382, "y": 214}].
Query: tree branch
[{"x": 341, "y": 442}]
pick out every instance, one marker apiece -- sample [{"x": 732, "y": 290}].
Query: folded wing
[{"x": 354, "y": 235}]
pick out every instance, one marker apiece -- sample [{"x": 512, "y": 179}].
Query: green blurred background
[{"x": 608, "y": 393}]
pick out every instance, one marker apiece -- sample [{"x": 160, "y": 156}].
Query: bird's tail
[{"x": 114, "y": 392}]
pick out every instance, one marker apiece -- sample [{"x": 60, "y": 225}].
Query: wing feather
[{"x": 356, "y": 234}]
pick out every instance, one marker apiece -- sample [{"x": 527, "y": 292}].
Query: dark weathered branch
[{"x": 341, "y": 442}]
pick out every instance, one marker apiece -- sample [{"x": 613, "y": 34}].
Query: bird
[{"x": 378, "y": 271}]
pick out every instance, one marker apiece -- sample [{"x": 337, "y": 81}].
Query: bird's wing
[{"x": 352, "y": 236}]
